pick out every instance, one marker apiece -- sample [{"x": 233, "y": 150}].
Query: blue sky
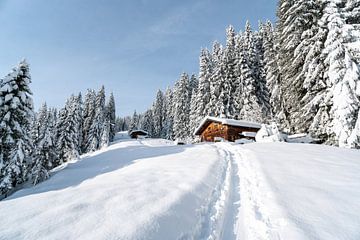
[{"x": 133, "y": 47}]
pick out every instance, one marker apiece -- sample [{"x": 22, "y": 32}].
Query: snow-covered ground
[
  {"x": 299, "y": 191},
  {"x": 153, "y": 189}
]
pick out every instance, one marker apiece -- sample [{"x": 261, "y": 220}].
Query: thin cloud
[{"x": 175, "y": 20}]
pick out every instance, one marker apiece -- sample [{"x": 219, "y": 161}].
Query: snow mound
[
  {"x": 157, "y": 142},
  {"x": 243, "y": 141},
  {"x": 300, "y": 138},
  {"x": 269, "y": 133}
]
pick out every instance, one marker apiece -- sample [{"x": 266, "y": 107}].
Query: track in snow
[
  {"x": 233, "y": 202},
  {"x": 245, "y": 214}
]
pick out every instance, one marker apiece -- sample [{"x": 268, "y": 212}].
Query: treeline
[
  {"x": 231, "y": 83},
  {"x": 168, "y": 116},
  {"x": 303, "y": 74},
  {"x": 31, "y": 144}
]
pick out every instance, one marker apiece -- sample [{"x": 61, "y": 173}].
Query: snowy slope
[
  {"x": 315, "y": 187},
  {"x": 152, "y": 189},
  {"x": 126, "y": 191}
]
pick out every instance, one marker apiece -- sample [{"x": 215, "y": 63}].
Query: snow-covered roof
[
  {"x": 297, "y": 135},
  {"x": 226, "y": 121},
  {"x": 138, "y": 131},
  {"x": 248, "y": 134}
]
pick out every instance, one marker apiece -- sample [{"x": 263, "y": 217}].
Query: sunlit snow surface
[{"x": 153, "y": 189}]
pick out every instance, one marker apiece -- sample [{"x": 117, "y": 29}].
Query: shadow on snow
[{"x": 95, "y": 165}]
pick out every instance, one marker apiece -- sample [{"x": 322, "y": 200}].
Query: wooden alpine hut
[
  {"x": 138, "y": 134},
  {"x": 213, "y": 129}
]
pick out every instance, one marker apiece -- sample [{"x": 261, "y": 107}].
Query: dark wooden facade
[{"x": 212, "y": 130}]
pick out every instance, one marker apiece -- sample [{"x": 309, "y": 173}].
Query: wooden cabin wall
[
  {"x": 214, "y": 130},
  {"x": 233, "y": 132},
  {"x": 229, "y": 133}
]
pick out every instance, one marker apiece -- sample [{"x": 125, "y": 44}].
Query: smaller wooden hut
[
  {"x": 213, "y": 129},
  {"x": 138, "y": 134}
]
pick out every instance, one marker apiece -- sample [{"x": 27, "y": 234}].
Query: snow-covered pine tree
[
  {"x": 193, "y": 89},
  {"x": 127, "y": 122},
  {"x": 342, "y": 72},
  {"x": 16, "y": 111},
  {"x": 111, "y": 116},
  {"x": 319, "y": 67},
  {"x": 119, "y": 123},
  {"x": 68, "y": 132},
  {"x": 261, "y": 90},
  {"x": 169, "y": 114},
  {"x": 201, "y": 98},
  {"x": 216, "y": 79},
  {"x": 157, "y": 115},
  {"x": 147, "y": 123},
  {"x": 52, "y": 121},
  {"x": 88, "y": 116},
  {"x": 2, "y": 164},
  {"x": 134, "y": 122},
  {"x": 231, "y": 78},
  {"x": 62, "y": 145},
  {"x": 193, "y": 84},
  {"x": 140, "y": 117},
  {"x": 79, "y": 105},
  {"x": 193, "y": 118},
  {"x": 250, "y": 108},
  {"x": 224, "y": 78},
  {"x": 122, "y": 123},
  {"x": 219, "y": 88},
  {"x": 44, "y": 154},
  {"x": 95, "y": 140},
  {"x": 297, "y": 25},
  {"x": 273, "y": 74},
  {"x": 76, "y": 114},
  {"x": 238, "y": 84},
  {"x": 105, "y": 135},
  {"x": 352, "y": 12},
  {"x": 181, "y": 108}
]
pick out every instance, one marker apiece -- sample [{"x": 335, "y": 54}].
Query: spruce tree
[
  {"x": 343, "y": 74},
  {"x": 111, "y": 116},
  {"x": 68, "y": 132},
  {"x": 250, "y": 107},
  {"x": 147, "y": 123},
  {"x": 200, "y": 103},
  {"x": 261, "y": 89},
  {"x": 169, "y": 115},
  {"x": 134, "y": 122},
  {"x": 230, "y": 83},
  {"x": 224, "y": 77},
  {"x": 44, "y": 154},
  {"x": 214, "y": 108},
  {"x": 16, "y": 112},
  {"x": 297, "y": 25},
  {"x": 88, "y": 116},
  {"x": 181, "y": 108},
  {"x": 158, "y": 114},
  {"x": 95, "y": 139},
  {"x": 193, "y": 89},
  {"x": 273, "y": 74}
]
